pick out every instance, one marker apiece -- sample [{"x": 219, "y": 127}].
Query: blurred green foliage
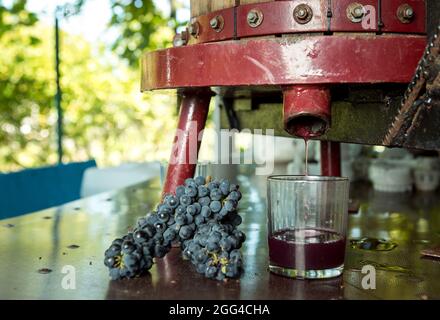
[{"x": 105, "y": 115}]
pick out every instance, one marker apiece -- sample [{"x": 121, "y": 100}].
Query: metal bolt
[
  {"x": 409, "y": 13},
  {"x": 405, "y": 13},
  {"x": 194, "y": 29},
  {"x": 355, "y": 12},
  {"x": 358, "y": 12},
  {"x": 217, "y": 23},
  {"x": 254, "y": 18},
  {"x": 302, "y": 13}
]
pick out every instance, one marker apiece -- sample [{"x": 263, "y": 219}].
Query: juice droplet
[
  {"x": 306, "y": 143},
  {"x": 372, "y": 244},
  {"x": 44, "y": 270}
]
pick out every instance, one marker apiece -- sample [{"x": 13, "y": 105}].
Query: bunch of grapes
[{"x": 202, "y": 216}]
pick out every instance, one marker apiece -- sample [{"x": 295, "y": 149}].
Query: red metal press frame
[
  {"x": 186, "y": 145},
  {"x": 330, "y": 48}
]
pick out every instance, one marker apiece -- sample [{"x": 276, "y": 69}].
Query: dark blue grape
[
  {"x": 240, "y": 235},
  {"x": 237, "y": 220},
  {"x": 232, "y": 270},
  {"x": 230, "y": 205},
  {"x": 198, "y": 207},
  {"x": 211, "y": 272},
  {"x": 180, "y": 191},
  {"x": 226, "y": 244},
  {"x": 200, "y": 180},
  {"x": 163, "y": 216},
  {"x": 190, "y": 183},
  {"x": 220, "y": 276},
  {"x": 151, "y": 218},
  {"x": 140, "y": 236},
  {"x": 202, "y": 191},
  {"x": 160, "y": 251},
  {"x": 212, "y": 246},
  {"x": 150, "y": 230},
  {"x": 189, "y": 218},
  {"x": 206, "y": 211},
  {"x": 141, "y": 222},
  {"x": 215, "y": 206},
  {"x": 186, "y": 232},
  {"x": 204, "y": 201},
  {"x": 160, "y": 227},
  {"x": 223, "y": 212},
  {"x": 191, "y": 209},
  {"x": 213, "y": 185},
  {"x": 201, "y": 268},
  {"x": 181, "y": 209},
  {"x": 172, "y": 201},
  {"x": 234, "y": 195},
  {"x": 216, "y": 194},
  {"x": 234, "y": 242},
  {"x": 191, "y": 191},
  {"x": 180, "y": 219},
  {"x": 127, "y": 247},
  {"x": 185, "y": 200},
  {"x": 199, "y": 220},
  {"x": 224, "y": 187},
  {"x": 233, "y": 187},
  {"x": 169, "y": 235}
]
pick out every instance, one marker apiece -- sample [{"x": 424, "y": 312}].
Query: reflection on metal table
[{"x": 36, "y": 248}]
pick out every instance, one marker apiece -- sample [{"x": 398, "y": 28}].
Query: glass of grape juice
[{"x": 307, "y": 223}]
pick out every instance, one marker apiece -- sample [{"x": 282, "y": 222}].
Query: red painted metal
[
  {"x": 285, "y": 61},
  {"x": 278, "y": 19},
  {"x": 330, "y": 159},
  {"x": 341, "y": 23},
  {"x": 391, "y": 22},
  {"x": 192, "y": 118},
  {"x": 306, "y": 110},
  {"x": 207, "y": 34}
]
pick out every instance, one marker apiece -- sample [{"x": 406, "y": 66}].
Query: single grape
[
  {"x": 204, "y": 201},
  {"x": 185, "y": 200},
  {"x": 211, "y": 272},
  {"x": 191, "y": 191},
  {"x": 215, "y": 206},
  {"x": 224, "y": 187},
  {"x": 216, "y": 194},
  {"x": 202, "y": 191},
  {"x": 186, "y": 232},
  {"x": 189, "y": 218},
  {"x": 200, "y": 180},
  {"x": 172, "y": 201},
  {"x": 180, "y": 191}
]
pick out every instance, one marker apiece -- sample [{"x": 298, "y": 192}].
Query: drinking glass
[{"x": 307, "y": 223}]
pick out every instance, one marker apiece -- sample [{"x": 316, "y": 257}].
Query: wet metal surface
[{"x": 35, "y": 244}]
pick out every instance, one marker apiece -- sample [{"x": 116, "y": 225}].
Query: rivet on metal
[
  {"x": 405, "y": 13},
  {"x": 255, "y": 18},
  {"x": 194, "y": 29},
  {"x": 355, "y": 12},
  {"x": 302, "y": 13},
  {"x": 217, "y": 23}
]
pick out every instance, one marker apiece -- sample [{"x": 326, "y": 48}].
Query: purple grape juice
[{"x": 307, "y": 249}]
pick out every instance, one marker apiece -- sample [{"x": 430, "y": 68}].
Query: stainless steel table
[{"x": 76, "y": 235}]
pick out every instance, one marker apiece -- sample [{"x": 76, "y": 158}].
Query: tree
[{"x": 105, "y": 115}]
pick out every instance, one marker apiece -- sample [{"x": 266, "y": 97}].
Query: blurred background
[{"x": 73, "y": 122}]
